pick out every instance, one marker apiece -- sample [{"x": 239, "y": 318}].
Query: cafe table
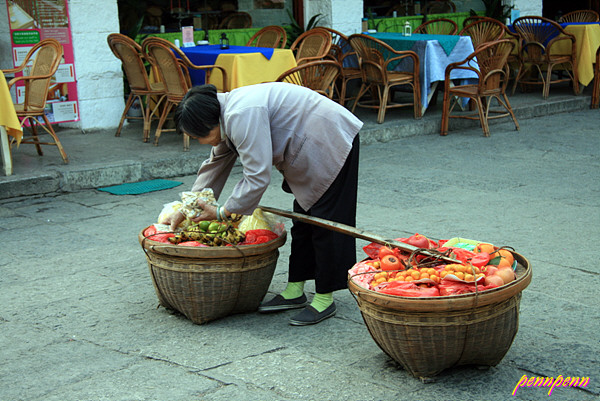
[
  {"x": 245, "y": 65},
  {"x": 587, "y": 41},
  {"x": 435, "y": 53},
  {"x": 9, "y": 126}
]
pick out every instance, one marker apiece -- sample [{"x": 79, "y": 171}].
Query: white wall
[
  {"x": 98, "y": 71},
  {"x": 5, "y": 47},
  {"x": 99, "y": 74}
]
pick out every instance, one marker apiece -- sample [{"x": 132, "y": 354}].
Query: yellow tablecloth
[
  {"x": 252, "y": 68},
  {"x": 587, "y": 41},
  {"x": 8, "y": 116}
]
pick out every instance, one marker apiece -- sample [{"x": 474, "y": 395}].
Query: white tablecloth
[{"x": 434, "y": 60}]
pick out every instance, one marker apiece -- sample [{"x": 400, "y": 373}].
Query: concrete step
[{"x": 99, "y": 159}]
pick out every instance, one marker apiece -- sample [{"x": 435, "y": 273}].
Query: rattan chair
[
  {"x": 270, "y": 36},
  {"x": 596, "y": 89},
  {"x": 342, "y": 52},
  {"x": 537, "y": 37},
  {"x": 580, "y": 16},
  {"x": 237, "y": 20},
  {"x": 319, "y": 76},
  {"x": 172, "y": 65},
  {"x": 311, "y": 45},
  {"x": 484, "y": 30},
  {"x": 439, "y": 26},
  {"x": 489, "y": 62},
  {"x": 376, "y": 61},
  {"x": 132, "y": 59},
  {"x": 42, "y": 60},
  {"x": 472, "y": 18}
]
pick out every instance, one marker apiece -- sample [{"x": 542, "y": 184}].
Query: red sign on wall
[{"x": 30, "y": 22}]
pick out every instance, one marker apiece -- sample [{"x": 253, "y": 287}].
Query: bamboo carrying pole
[{"x": 354, "y": 232}]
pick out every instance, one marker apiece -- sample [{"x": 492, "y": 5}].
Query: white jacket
[{"x": 305, "y": 135}]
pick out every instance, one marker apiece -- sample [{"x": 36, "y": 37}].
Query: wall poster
[{"x": 30, "y": 22}]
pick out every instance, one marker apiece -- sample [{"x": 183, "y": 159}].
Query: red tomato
[
  {"x": 391, "y": 262},
  {"x": 384, "y": 251},
  {"x": 481, "y": 259}
]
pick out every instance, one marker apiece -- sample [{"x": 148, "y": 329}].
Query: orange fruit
[
  {"x": 504, "y": 253},
  {"x": 484, "y": 247},
  {"x": 504, "y": 263},
  {"x": 390, "y": 262}
]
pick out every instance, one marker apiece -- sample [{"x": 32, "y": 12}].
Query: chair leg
[
  {"x": 595, "y": 103},
  {"x": 162, "y": 120},
  {"x": 445, "y": 113},
  {"x": 546, "y": 91},
  {"x": 186, "y": 142},
  {"x": 33, "y": 124},
  {"x": 128, "y": 104},
  {"x": 154, "y": 112},
  {"x": 361, "y": 92},
  {"x": 508, "y": 107},
  {"x": 56, "y": 140},
  {"x": 418, "y": 110},
  {"x": 343, "y": 92},
  {"x": 482, "y": 117},
  {"x": 383, "y": 100}
]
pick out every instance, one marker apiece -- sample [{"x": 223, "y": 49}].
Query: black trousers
[{"x": 321, "y": 254}]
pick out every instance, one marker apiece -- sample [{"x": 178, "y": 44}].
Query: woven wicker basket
[
  {"x": 429, "y": 335},
  {"x": 205, "y": 283}
]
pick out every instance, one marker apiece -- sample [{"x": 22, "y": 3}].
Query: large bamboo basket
[
  {"x": 208, "y": 283},
  {"x": 430, "y": 334}
]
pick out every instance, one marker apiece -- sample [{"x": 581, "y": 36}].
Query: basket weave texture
[
  {"x": 429, "y": 335},
  {"x": 205, "y": 284}
]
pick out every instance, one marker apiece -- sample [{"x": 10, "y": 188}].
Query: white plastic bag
[
  {"x": 188, "y": 206},
  {"x": 262, "y": 220},
  {"x": 190, "y": 200},
  {"x": 168, "y": 209}
]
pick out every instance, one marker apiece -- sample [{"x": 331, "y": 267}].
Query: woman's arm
[{"x": 214, "y": 171}]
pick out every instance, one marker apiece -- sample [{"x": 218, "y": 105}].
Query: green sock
[
  {"x": 293, "y": 290},
  {"x": 322, "y": 301}
]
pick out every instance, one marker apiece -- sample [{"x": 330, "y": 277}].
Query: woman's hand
[
  {"x": 174, "y": 219},
  {"x": 209, "y": 212}
]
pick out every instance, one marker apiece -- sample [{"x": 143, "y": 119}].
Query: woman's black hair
[{"x": 199, "y": 111}]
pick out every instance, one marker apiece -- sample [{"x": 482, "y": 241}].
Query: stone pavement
[{"x": 79, "y": 317}]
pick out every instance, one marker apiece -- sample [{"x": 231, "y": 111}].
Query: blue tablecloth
[{"x": 207, "y": 55}]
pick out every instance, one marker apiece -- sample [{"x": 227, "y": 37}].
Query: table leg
[
  {"x": 5, "y": 150},
  {"x": 429, "y": 96}
]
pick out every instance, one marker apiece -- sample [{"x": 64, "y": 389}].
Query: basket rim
[
  {"x": 449, "y": 302},
  {"x": 197, "y": 252}
]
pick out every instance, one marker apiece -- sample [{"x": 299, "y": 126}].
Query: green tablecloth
[
  {"x": 402, "y": 43},
  {"x": 237, "y": 37},
  {"x": 385, "y": 24}
]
